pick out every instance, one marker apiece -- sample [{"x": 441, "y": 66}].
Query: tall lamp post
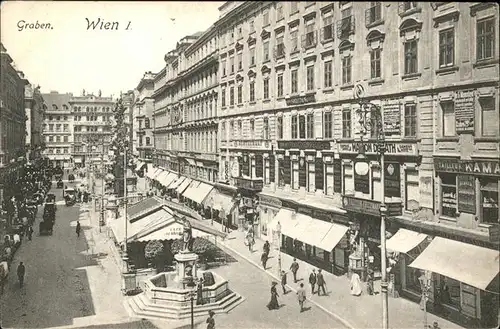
[
  {"x": 125, "y": 253},
  {"x": 278, "y": 234},
  {"x": 370, "y": 120}
]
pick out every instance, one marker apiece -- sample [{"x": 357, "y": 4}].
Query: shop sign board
[
  {"x": 473, "y": 167},
  {"x": 270, "y": 201},
  {"x": 304, "y": 145},
  {"x": 464, "y": 111},
  {"x": 403, "y": 149},
  {"x": 466, "y": 194},
  {"x": 370, "y": 207},
  {"x": 392, "y": 118},
  {"x": 300, "y": 100}
]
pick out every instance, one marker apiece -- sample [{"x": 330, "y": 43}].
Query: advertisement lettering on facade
[{"x": 479, "y": 167}]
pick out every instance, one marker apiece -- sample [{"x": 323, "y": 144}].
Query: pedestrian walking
[
  {"x": 320, "y": 282},
  {"x": 250, "y": 239},
  {"x": 199, "y": 292},
  {"x": 211, "y": 321},
  {"x": 78, "y": 229},
  {"x": 312, "y": 280},
  {"x": 266, "y": 248},
  {"x": 21, "y": 270},
  {"x": 30, "y": 232},
  {"x": 273, "y": 303},
  {"x": 283, "y": 282},
  {"x": 301, "y": 296},
  {"x": 356, "y": 288},
  {"x": 294, "y": 268},
  {"x": 263, "y": 259}
]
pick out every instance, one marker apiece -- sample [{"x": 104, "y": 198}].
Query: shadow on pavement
[{"x": 57, "y": 288}]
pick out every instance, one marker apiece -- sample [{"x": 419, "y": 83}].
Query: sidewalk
[{"x": 364, "y": 311}]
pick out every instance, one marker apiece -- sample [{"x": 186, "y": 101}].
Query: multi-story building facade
[
  {"x": 128, "y": 99},
  {"x": 92, "y": 116},
  {"x": 142, "y": 112},
  {"x": 185, "y": 108},
  {"x": 12, "y": 120},
  {"x": 58, "y": 128},
  {"x": 289, "y": 77},
  {"x": 35, "y": 141}
]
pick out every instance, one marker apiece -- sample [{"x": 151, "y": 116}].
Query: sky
[{"x": 69, "y": 57}]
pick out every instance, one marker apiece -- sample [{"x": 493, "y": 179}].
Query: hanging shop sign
[
  {"x": 270, "y": 201},
  {"x": 466, "y": 194},
  {"x": 464, "y": 111},
  {"x": 392, "y": 118},
  {"x": 299, "y": 100},
  {"x": 305, "y": 145},
  {"x": 402, "y": 149},
  {"x": 392, "y": 180},
  {"x": 369, "y": 207},
  {"x": 474, "y": 167}
]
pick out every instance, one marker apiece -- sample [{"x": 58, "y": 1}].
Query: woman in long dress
[
  {"x": 273, "y": 304},
  {"x": 355, "y": 285}
]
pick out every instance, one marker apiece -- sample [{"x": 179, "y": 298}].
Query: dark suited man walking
[
  {"x": 21, "y": 270},
  {"x": 78, "y": 229}
]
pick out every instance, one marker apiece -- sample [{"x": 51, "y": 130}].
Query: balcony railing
[
  {"x": 345, "y": 27},
  {"x": 310, "y": 39}
]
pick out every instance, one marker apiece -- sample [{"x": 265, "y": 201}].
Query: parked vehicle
[{"x": 70, "y": 196}]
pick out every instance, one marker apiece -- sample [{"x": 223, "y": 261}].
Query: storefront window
[
  {"x": 449, "y": 195},
  {"x": 411, "y": 187},
  {"x": 489, "y": 200},
  {"x": 450, "y": 291},
  {"x": 348, "y": 179},
  {"x": 266, "y": 171},
  {"x": 329, "y": 179},
  {"x": 412, "y": 275},
  {"x": 295, "y": 175},
  {"x": 310, "y": 177}
]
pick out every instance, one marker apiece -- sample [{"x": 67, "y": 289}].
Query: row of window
[
  {"x": 57, "y": 118},
  {"x": 57, "y": 150},
  {"x": 92, "y": 128},
  {"x": 56, "y": 127},
  {"x": 58, "y": 139},
  {"x": 92, "y": 109}
]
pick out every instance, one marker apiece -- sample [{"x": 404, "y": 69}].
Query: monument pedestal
[{"x": 186, "y": 268}]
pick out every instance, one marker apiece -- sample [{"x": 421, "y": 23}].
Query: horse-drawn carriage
[
  {"x": 48, "y": 218},
  {"x": 70, "y": 196}
]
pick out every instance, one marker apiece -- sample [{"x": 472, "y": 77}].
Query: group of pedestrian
[{"x": 319, "y": 280}]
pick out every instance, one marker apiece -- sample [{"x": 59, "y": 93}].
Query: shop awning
[
  {"x": 169, "y": 178},
  {"x": 202, "y": 191},
  {"x": 284, "y": 217},
  {"x": 332, "y": 237},
  {"x": 191, "y": 162},
  {"x": 222, "y": 201},
  {"x": 148, "y": 222},
  {"x": 139, "y": 165},
  {"x": 154, "y": 173},
  {"x": 175, "y": 184},
  {"x": 169, "y": 230},
  {"x": 405, "y": 240},
  {"x": 191, "y": 189},
  {"x": 315, "y": 230},
  {"x": 301, "y": 223},
  {"x": 182, "y": 187},
  {"x": 473, "y": 265},
  {"x": 160, "y": 175}
]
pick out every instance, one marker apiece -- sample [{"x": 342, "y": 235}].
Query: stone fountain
[{"x": 169, "y": 294}]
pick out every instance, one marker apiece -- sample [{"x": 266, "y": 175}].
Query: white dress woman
[{"x": 355, "y": 285}]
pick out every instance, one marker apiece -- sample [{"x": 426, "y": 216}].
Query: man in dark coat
[
  {"x": 294, "y": 268},
  {"x": 283, "y": 281},
  {"x": 267, "y": 248},
  {"x": 312, "y": 280},
  {"x": 321, "y": 283},
  {"x": 78, "y": 229},
  {"x": 263, "y": 259},
  {"x": 21, "y": 270}
]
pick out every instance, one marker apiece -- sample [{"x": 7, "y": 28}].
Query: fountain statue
[
  {"x": 186, "y": 258},
  {"x": 187, "y": 237}
]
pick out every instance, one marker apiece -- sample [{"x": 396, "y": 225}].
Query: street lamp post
[
  {"x": 370, "y": 120},
  {"x": 191, "y": 295},
  {"x": 125, "y": 253},
  {"x": 278, "y": 233},
  {"x": 101, "y": 222}
]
